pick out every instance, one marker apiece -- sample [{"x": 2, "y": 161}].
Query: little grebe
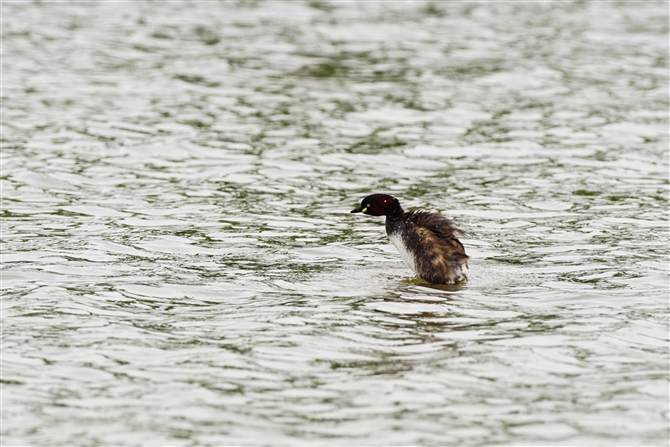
[{"x": 426, "y": 241}]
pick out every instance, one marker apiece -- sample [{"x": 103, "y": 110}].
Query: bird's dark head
[{"x": 379, "y": 205}]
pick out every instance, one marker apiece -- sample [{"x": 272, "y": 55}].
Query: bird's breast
[{"x": 407, "y": 256}]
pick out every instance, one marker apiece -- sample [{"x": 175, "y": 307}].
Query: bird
[{"x": 426, "y": 241}]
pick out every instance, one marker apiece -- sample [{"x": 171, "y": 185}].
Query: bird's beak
[{"x": 357, "y": 210}]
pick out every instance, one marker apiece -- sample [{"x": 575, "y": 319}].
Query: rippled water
[{"x": 180, "y": 266}]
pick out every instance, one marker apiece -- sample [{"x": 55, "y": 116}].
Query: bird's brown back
[{"x": 440, "y": 256}]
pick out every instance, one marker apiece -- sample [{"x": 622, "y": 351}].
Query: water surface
[{"x": 180, "y": 266}]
